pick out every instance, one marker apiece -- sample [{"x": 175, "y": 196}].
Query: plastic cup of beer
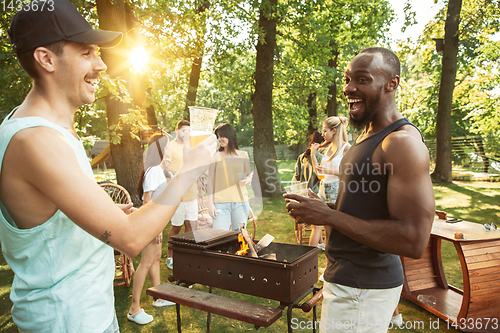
[
  {"x": 300, "y": 189},
  {"x": 202, "y": 122},
  {"x": 320, "y": 172}
]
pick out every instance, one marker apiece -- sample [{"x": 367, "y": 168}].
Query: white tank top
[{"x": 333, "y": 163}]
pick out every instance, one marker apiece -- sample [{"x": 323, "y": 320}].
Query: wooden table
[{"x": 477, "y": 307}]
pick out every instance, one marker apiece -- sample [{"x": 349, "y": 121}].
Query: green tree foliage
[
  {"x": 474, "y": 109},
  {"x": 228, "y": 79},
  {"x": 14, "y": 81},
  {"x": 319, "y": 38},
  {"x": 231, "y": 93},
  {"x": 174, "y": 33},
  {"x": 310, "y": 36}
]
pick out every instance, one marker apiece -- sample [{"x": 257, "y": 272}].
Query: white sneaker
[
  {"x": 140, "y": 317},
  {"x": 170, "y": 263},
  {"x": 321, "y": 246},
  {"x": 397, "y": 320},
  {"x": 160, "y": 303},
  {"x": 322, "y": 277}
]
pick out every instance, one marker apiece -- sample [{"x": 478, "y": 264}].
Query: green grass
[
  {"x": 286, "y": 169},
  {"x": 472, "y": 201}
]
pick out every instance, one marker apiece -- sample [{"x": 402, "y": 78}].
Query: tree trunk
[
  {"x": 264, "y": 152},
  {"x": 442, "y": 171},
  {"x": 127, "y": 155},
  {"x": 331, "y": 106},
  {"x": 313, "y": 114},
  {"x": 151, "y": 118},
  {"x": 151, "y": 114},
  {"x": 140, "y": 95},
  {"x": 194, "y": 77}
]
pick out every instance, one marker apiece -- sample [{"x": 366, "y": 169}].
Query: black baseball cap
[{"x": 41, "y": 23}]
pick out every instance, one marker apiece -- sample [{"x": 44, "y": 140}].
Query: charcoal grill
[{"x": 213, "y": 262}]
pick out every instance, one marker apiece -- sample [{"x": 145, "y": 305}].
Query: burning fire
[{"x": 244, "y": 246}]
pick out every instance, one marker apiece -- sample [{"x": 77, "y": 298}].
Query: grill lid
[{"x": 204, "y": 238}]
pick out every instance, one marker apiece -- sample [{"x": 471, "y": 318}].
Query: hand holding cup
[{"x": 202, "y": 122}]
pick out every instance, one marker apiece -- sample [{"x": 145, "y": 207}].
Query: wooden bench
[{"x": 258, "y": 315}]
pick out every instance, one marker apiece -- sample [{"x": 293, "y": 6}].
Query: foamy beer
[
  {"x": 320, "y": 174},
  {"x": 300, "y": 189},
  {"x": 202, "y": 122}
]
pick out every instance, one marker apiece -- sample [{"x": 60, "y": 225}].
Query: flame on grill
[{"x": 244, "y": 246}]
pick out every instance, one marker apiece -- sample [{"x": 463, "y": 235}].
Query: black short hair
[
  {"x": 182, "y": 123},
  {"x": 390, "y": 59},
  {"x": 28, "y": 62}
]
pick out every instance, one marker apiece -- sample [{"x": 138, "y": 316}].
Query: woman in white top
[
  {"x": 335, "y": 134},
  {"x": 151, "y": 177}
]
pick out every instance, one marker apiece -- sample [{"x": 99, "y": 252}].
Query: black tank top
[{"x": 363, "y": 194}]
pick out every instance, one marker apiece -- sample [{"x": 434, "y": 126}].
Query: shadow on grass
[{"x": 484, "y": 201}]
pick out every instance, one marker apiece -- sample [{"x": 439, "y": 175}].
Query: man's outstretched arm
[{"x": 37, "y": 179}]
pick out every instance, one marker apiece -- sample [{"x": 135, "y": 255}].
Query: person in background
[
  {"x": 385, "y": 205},
  {"x": 150, "y": 178},
  {"x": 188, "y": 208},
  {"x": 227, "y": 177},
  {"x": 304, "y": 172},
  {"x": 58, "y": 227},
  {"x": 304, "y": 168},
  {"x": 335, "y": 135}
]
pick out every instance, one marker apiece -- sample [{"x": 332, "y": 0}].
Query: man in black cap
[{"x": 57, "y": 226}]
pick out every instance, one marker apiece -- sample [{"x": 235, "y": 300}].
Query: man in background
[{"x": 188, "y": 208}]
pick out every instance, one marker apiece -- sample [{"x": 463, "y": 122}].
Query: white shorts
[
  {"x": 187, "y": 210},
  {"x": 346, "y": 309}
]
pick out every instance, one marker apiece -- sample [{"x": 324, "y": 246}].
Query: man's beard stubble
[{"x": 368, "y": 115}]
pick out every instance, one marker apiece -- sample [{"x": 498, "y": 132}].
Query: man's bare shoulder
[
  {"x": 28, "y": 170},
  {"x": 410, "y": 130},
  {"x": 32, "y": 150},
  {"x": 39, "y": 139},
  {"x": 38, "y": 132},
  {"x": 405, "y": 149},
  {"x": 406, "y": 136}
]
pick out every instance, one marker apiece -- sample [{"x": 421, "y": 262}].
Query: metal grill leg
[
  {"x": 289, "y": 318},
  {"x": 314, "y": 318},
  {"x": 178, "y": 310},
  {"x": 209, "y": 315}
]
